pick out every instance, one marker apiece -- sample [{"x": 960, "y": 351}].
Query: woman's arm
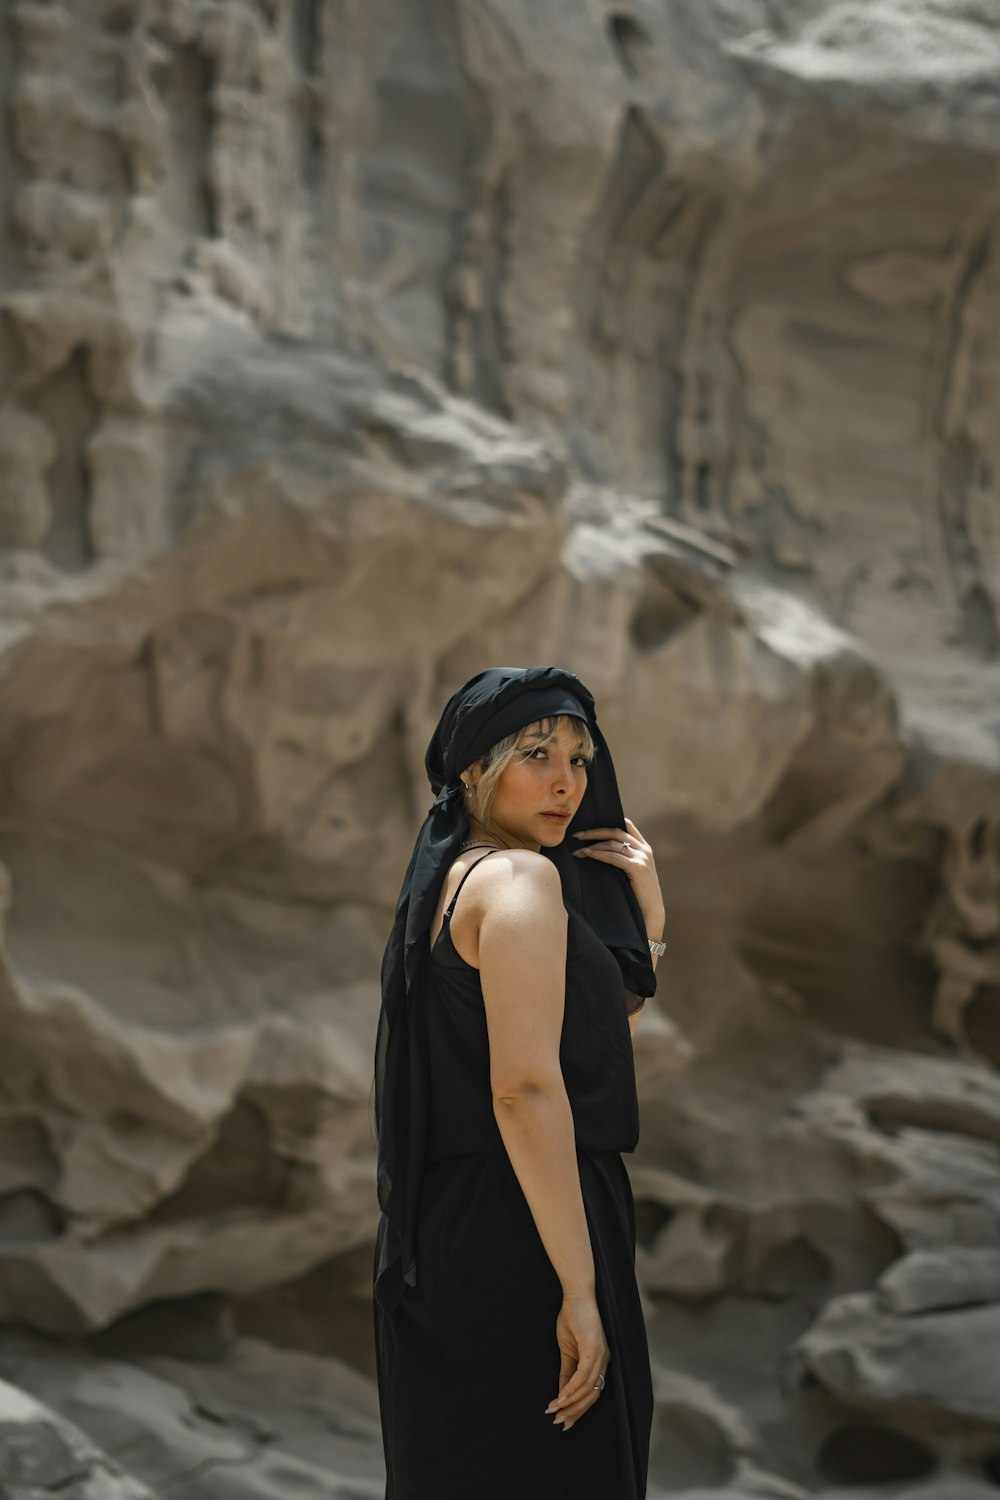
[
  {"x": 654, "y": 930},
  {"x": 522, "y": 966},
  {"x": 640, "y": 867}
]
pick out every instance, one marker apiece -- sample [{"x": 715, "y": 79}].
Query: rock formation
[{"x": 347, "y": 346}]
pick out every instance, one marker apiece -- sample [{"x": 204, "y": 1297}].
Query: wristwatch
[{"x": 656, "y": 948}]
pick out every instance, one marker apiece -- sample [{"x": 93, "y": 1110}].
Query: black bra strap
[{"x": 451, "y": 903}]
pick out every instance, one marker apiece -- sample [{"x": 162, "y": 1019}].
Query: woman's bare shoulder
[
  {"x": 521, "y": 887},
  {"x": 526, "y": 864},
  {"x": 519, "y": 875}
]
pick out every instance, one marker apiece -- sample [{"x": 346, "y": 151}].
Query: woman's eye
[{"x": 540, "y": 750}]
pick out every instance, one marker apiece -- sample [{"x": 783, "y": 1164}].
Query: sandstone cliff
[{"x": 347, "y": 346}]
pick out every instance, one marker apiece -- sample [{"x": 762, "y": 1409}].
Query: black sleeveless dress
[{"x": 468, "y": 1361}]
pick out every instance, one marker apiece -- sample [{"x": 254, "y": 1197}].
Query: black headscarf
[{"x": 492, "y": 704}]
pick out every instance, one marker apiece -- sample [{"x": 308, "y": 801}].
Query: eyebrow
[{"x": 536, "y": 734}]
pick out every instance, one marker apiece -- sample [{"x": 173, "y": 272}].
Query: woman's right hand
[{"x": 584, "y": 1356}]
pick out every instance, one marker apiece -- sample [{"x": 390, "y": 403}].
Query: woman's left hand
[{"x": 637, "y": 862}]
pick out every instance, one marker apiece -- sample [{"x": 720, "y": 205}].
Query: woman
[{"x": 507, "y": 1314}]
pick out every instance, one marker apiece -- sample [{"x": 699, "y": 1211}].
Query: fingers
[
  {"x": 634, "y": 859},
  {"x": 572, "y": 1412},
  {"x": 581, "y": 1382},
  {"x": 613, "y": 835},
  {"x": 567, "y": 1367},
  {"x": 578, "y": 1392}
]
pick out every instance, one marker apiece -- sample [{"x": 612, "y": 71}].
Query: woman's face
[{"x": 541, "y": 779}]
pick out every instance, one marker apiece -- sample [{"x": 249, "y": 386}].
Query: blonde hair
[{"x": 479, "y": 799}]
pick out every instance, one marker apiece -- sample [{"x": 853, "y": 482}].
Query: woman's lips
[{"x": 556, "y": 817}]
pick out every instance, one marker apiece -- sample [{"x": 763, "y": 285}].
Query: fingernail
[
  {"x": 578, "y": 835},
  {"x": 577, "y": 853}
]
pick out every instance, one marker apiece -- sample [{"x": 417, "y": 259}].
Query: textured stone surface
[
  {"x": 44, "y": 1454},
  {"x": 347, "y": 346},
  {"x": 256, "y": 1421}
]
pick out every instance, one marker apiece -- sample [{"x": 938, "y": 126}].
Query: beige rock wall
[{"x": 347, "y": 346}]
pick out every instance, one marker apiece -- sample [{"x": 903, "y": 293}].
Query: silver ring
[
  {"x": 624, "y": 847},
  {"x": 600, "y": 1383}
]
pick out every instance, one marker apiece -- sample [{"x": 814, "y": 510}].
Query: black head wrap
[{"x": 489, "y": 706}]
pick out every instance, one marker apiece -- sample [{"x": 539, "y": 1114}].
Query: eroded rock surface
[
  {"x": 346, "y": 346},
  {"x": 42, "y": 1453},
  {"x": 255, "y": 1421}
]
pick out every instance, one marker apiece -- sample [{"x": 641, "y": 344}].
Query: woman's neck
[{"x": 479, "y": 836}]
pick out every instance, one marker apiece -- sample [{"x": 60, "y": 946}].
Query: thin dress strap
[{"x": 451, "y": 903}]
